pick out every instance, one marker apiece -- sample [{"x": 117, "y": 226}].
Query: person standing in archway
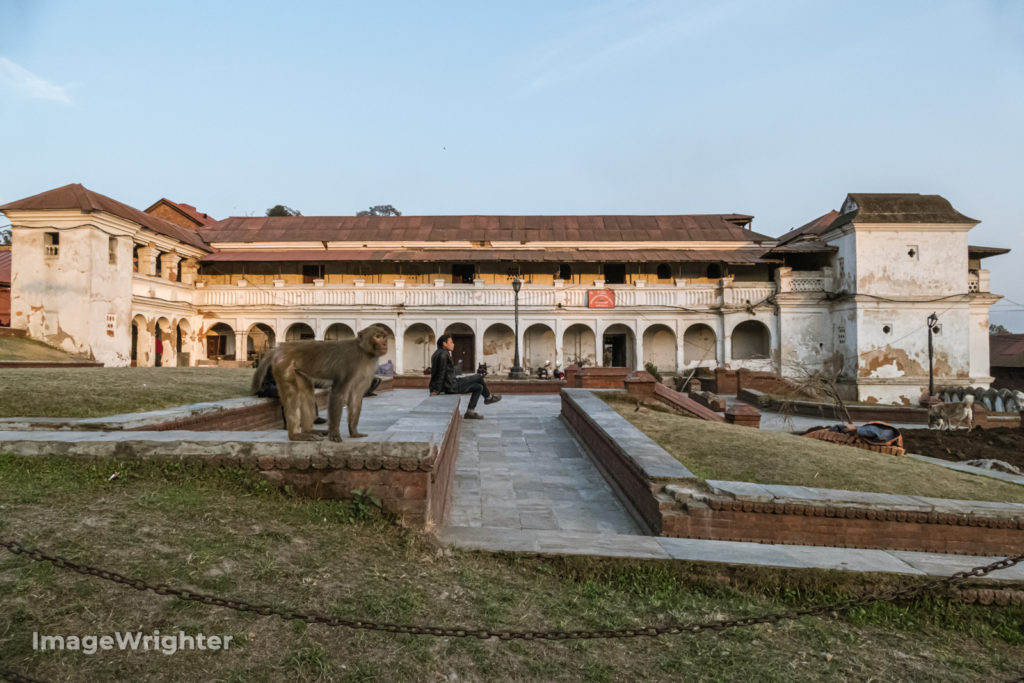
[
  {"x": 444, "y": 381},
  {"x": 159, "y": 347}
]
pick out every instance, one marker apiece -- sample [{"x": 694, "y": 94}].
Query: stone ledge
[
  {"x": 409, "y": 465},
  {"x": 749, "y": 512}
]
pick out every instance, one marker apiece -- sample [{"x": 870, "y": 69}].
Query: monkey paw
[
  {"x": 356, "y": 435},
  {"x": 334, "y": 436},
  {"x": 304, "y": 436}
]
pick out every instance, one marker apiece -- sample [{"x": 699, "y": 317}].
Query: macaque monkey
[{"x": 349, "y": 365}]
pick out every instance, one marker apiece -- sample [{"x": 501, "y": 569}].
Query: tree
[
  {"x": 995, "y": 328},
  {"x": 380, "y": 210},
  {"x": 282, "y": 210}
]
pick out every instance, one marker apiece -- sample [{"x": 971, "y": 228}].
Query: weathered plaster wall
[
  {"x": 538, "y": 347},
  {"x": 75, "y": 300},
  {"x": 660, "y": 347},
  {"x": 908, "y": 262}
]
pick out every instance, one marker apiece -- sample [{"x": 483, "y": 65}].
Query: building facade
[{"x": 847, "y": 294}]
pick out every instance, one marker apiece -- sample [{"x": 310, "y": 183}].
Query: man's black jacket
[{"x": 442, "y": 373}]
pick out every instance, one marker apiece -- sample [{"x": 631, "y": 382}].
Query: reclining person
[{"x": 444, "y": 381}]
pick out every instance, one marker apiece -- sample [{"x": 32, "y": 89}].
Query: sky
[{"x": 775, "y": 109}]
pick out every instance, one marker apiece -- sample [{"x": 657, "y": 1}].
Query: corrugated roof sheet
[
  {"x": 75, "y": 196},
  {"x": 1006, "y": 350},
  {"x": 736, "y": 256},
  {"x": 681, "y": 228}
]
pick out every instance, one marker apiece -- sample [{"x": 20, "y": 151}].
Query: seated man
[{"x": 444, "y": 381}]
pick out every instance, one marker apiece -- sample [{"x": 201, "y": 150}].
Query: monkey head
[{"x": 374, "y": 339}]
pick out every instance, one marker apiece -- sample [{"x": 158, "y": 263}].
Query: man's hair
[{"x": 442, "y": 339}]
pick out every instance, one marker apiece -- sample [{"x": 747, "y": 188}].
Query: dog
[{"x": 951, "y": 415}]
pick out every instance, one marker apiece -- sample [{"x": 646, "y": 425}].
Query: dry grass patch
[
  {"x": 98, "y": 392},
  {"x": 714, "y": 450},
  {"x": 222, "y": 532},
  {"x": 24, "y": 349}
]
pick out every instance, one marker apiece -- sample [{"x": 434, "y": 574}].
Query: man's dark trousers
[{"x": 472, "y": 384}]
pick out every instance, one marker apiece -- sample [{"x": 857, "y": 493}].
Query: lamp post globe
[{"x": 517, "y": 371}]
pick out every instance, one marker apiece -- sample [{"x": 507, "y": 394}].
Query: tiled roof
[
  {"x": 900, "y": 208},
  {"x": 1006, "y": 350},
  {"x": 187, "y": 210},
  {"x": 681, "y": 228},
  {"x": 5, "y": 266},
  {"x": 985, "y": 252},
  {"x": 75, "y": 196},
  {"x": 736, "y": 256},
  {"x": 812, "y": 229}
]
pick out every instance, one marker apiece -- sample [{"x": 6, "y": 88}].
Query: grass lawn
[
  {"x": 224, "y": 533},
  {"x": 22, "y": 348},
  {"x": 712, "y": 450},
  {"x": 97, "y": 392}
]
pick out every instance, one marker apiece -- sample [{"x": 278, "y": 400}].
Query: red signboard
[{"x": 600, "y": 298}]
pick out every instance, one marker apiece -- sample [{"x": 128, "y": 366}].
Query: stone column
[
  {"x": 147, "y": 259},
  {"x": 189, "y": 271},
  {"x": 399, "y": 348},
  {"x": 478, "y": 348},
  {"x": 169, "y": 262}
]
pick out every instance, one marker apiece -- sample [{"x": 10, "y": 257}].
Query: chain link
[{"x": 482, "y": 633}]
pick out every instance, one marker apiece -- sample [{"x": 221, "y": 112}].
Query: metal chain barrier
[
  {"x": 15, "y": 677},
  {"x": 461, "y": 632}
]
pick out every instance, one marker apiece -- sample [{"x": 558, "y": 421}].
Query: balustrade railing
[{"x": 460, "y": 296}]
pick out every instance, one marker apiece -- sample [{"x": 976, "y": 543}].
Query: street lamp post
[
  {"x": 517, "y": 371},
  {"x": 933, "y": 320}
]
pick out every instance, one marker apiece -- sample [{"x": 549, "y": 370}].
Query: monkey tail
[{"x": 261, "y": 371}]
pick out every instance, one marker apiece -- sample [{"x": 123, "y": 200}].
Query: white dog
[{"x": 951, "y": 415}]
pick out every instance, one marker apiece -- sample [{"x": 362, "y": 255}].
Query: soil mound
[{"x": 1000, "y": 443}]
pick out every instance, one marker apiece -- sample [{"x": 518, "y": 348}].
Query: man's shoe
[
  {"x": 320, "y": 421},
  {"x": 493, "y": 398},
  {"x": 473, "y": 415}
]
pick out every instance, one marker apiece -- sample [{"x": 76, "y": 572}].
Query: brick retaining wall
[{"x": 674, "y": 503}]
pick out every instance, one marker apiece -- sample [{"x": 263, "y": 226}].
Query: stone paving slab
[
  {"x": 720, "y": 552},
  {"x": 519, "y": 468}
]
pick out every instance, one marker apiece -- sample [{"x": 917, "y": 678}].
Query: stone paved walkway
[{"x": 519, "y": 468}]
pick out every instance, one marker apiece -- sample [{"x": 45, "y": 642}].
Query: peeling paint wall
[
  {"x": 499, "y": 350},
  {"x": 538, "y": 347},
  {"x": 660, "y": 347},
  {"x": 579, "y": 345},
  {"x": 419, "y": 346},
  {"x": 75, "y": 299},
  {"x": 700, "y": 346}
]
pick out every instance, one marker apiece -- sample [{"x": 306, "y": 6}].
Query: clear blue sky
[{"x": 776, "y": 109}]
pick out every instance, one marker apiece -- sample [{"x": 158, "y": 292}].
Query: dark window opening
[
  {"x": 615, "y": 273},
  {"x": 159, "y": 265},
  {"x": 564, "y": 271},
  {"x": 177, "y": 274},
  {"x": 310, "y": 272},
  {"x": 615, "y": 350},
  {"x": 463, "y": 273},
  {"x": 135, "y": 259},
  {"x": 664, "y": 271},
  {"x": 51, "y": 243},
  {"x": 714, "y": 271}
]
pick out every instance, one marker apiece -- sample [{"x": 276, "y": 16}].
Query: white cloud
[{"x": 26, "y": 82}]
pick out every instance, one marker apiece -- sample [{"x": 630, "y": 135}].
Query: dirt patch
[{"x": 1001, "y": 443}]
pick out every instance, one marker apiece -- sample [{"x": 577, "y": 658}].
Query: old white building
[{"x": 850, "y": 291}]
